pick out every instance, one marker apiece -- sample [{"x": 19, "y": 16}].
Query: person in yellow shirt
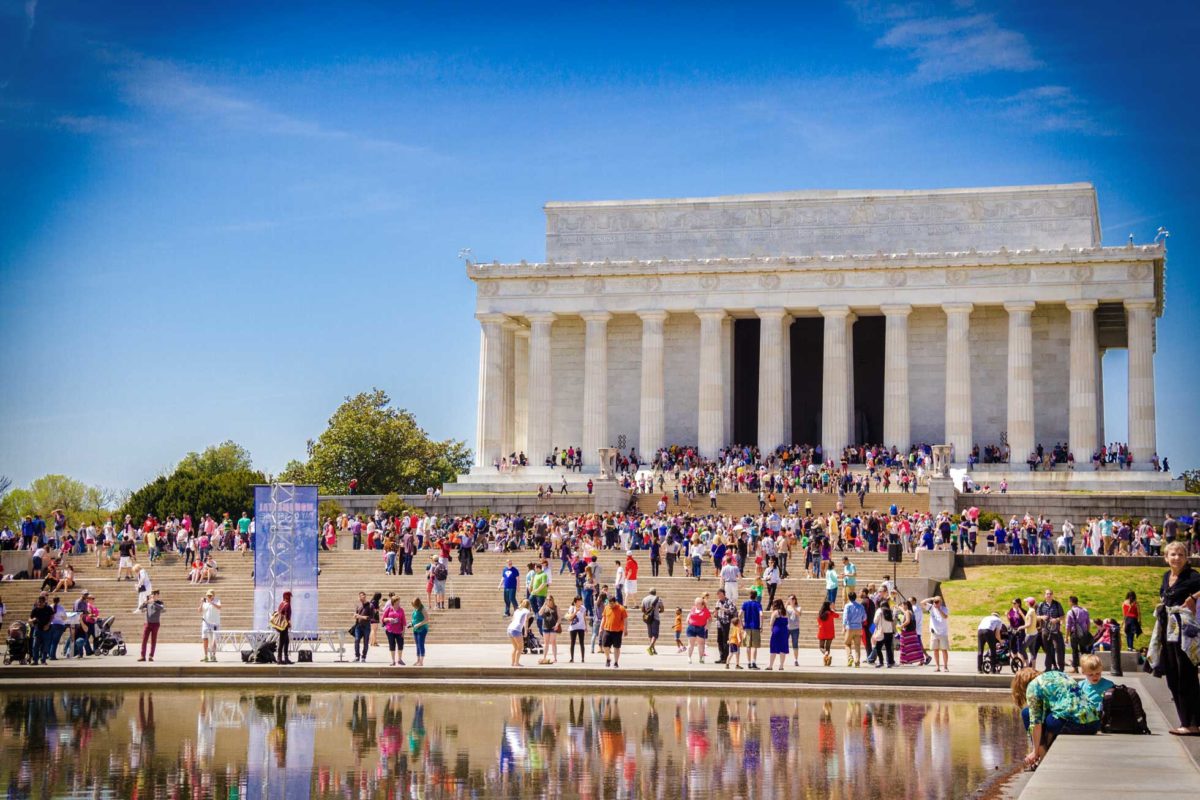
[
  {"x": 735, "y": 641},
  {"x": 678, "y": 628}
]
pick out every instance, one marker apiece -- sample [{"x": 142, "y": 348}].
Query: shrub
[
  {"x": 329, "y": 509},
  {"x": 393, "y": 505}
]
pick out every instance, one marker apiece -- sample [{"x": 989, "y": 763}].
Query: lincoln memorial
[{"x": 968, "y": 317}]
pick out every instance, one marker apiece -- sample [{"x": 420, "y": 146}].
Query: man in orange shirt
[{"x": 612, "y": 628}]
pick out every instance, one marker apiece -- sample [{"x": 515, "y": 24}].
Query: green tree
[
  {"x": 380, "y": 446},
  {"x": 228, "y": 456},
  {"x": 80, "y": 502},
  {"x": 221, "y": 479},
  {"x": 1191, "y": 481}
]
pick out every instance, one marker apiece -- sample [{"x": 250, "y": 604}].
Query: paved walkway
[{"x": 1112, "y": 766}]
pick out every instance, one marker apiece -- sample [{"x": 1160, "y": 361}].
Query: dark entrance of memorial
[
  {"x": 745, "y": 381},
  {"x": 807, "y": 372},
  {"x": 808, "y": 352},
  {"x": 869, "y": 337}
]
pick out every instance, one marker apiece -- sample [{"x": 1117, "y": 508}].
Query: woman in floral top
[{"x": 1051, "y": 704}]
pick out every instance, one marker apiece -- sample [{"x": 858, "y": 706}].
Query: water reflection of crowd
[{"x": 589, "y": 746}]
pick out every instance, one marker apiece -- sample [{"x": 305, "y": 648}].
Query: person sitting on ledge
[{"x": 1052, "y": 704}]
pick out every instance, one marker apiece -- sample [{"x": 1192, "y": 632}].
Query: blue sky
[{"x": 218, "y": 219}]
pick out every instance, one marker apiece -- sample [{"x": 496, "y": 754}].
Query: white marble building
[{"x": 964, "y": 316}]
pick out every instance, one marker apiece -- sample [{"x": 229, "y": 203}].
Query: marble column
[
  {"x": 521, "y": 391},
  {"x": 1020, "y": 424},
  {"x": 490, "y": 437},
  {"x": 770, "y": 378},
  {"x": 480, "y": 396},
  {"x": 727, "y": 370},
  {"x": 711, "y": 417},
  {"x": 1139, "y": 315},
  {"x": 652, "y": 414},
  {"x": 1100, "y": 396},
  {"x": 595, "y": 385},
  {"x": 896, "y": 411},
  {"x": 835, "y": 422},
  {"x": 1081, "y": 423},
  {"x": 958, "y": 379},
  {"x": 541, "y": 396},
  {"x": 788, "y": 438},
  {"x": 508, "y": 425},
  {"x": 851, "y": 417}
]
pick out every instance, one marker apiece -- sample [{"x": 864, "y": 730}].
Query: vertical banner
[{"x": 285, "y": 553}]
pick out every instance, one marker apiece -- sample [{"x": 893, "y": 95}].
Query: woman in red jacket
[{"x": 825, "y": 624}]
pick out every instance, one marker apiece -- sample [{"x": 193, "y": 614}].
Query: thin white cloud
[
  {"x": 955, "y": 47},
  {"x": 162, "y": 86},
  {"x": 1048, "y": 108}
]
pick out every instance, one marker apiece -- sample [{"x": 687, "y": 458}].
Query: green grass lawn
[{"x": 1100, "y": 589}]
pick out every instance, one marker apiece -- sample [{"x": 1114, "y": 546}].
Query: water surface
[{"x": 230, "y": 744}]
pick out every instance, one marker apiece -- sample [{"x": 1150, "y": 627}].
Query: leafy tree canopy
[
  {"x": 228, "y": 456},
  {"x": 80, "y": 502},
  {"x": 216, "y": 481},
  {"x": 380, "y": 446},
  {"x": 1191, "y": 481}
]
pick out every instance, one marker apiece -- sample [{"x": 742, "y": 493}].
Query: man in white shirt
[
  {"x": 988, "y": 635},
  {"x": 939, "y": 632},
  {"x": 210, "y": 624},
  {"x": 729, "y": 579}
]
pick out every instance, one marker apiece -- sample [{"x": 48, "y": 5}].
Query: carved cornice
[{"x": 1152, "y": 255}]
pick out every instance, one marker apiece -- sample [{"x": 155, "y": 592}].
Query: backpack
[
  {"x": 440, "y": 572},
  {"x": 1121, "y": 711}
]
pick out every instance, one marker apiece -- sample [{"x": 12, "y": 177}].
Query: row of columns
[{"x": 515, "y": 398}]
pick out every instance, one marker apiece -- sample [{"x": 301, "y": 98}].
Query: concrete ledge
[
  {"x": 1129, "y": 662},
  {"x": 983, "y": 560}
]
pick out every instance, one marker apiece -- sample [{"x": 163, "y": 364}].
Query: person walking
[
  {"x": 153, "y": 609},
  {"x": 831, "y": 582},
  {"x": 652, "y": 609},
  {"x": 552, "y": 624},
  {"x": 854, "y": 617},
  {"x": 1131, "y": 617},
  {"x": 697, "y": 628},
  {"x": 576, "y": 619},
  {"x": 885, "y": 634},
  {"x": 39, "y": 624},
  {"x": 771, "y": 580},
  {"x": 1050, "y": 618},
  {"x": 210, "y": 625},
  {"x": 792, "y": 606},
  {"x": 1079, "y": 631},
  {"x": 539, "y": 588},
  {"x": 614, "y": 623},
  {"x": 419, "y": 622},
  {"x": 725, "y": 612},
  {"x": 394, "y": 622},
  {"x": 778, "y": 644},
  {"x": 518, "y": 627},
  {"x": 752, "y": 629},
  {"x": 730, "y": 574},
  {"x": 361, "y": 629},
  {"x": 58, "y": 624},
  {"x": 987, "y": 635},
  {"x": 939, "y": 632},
  {"x": 282, "y": 623},
  {"x": 1179, "y": 593},
  {"x": 826, "y": 618},
  {"x": 509, "y": 577}
]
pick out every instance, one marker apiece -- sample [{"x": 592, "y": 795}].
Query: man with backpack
[
  {"x": 1079, "y": 631},
  {"x": 652, "y": 609}
]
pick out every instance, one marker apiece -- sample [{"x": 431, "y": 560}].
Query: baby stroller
[
  {"x": 108, "y": 641},
  {"x": 532, "y": 643},
  {"x": 17, "y": 646},
  {"x": 1006, "y": 655}
]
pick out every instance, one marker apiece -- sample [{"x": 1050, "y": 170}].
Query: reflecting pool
[{"x": 228, "y": 743}]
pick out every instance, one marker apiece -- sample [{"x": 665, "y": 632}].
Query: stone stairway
[
  {"x": 742, "y": 503},
  {"x": 345, "y": 572}
]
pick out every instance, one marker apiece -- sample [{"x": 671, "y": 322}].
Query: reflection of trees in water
[{"x": 588, "y": 746}]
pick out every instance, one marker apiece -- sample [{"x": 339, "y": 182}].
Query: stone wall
[
  {"x": 927, "y": 374},
  {"x": 1051, "y": 374},
  {"x": 681, "y": 377},
  {"x": 624, "y": 379},
  {"x": 566, "y": 370},
  {"x": 1078, "y": 507}
]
